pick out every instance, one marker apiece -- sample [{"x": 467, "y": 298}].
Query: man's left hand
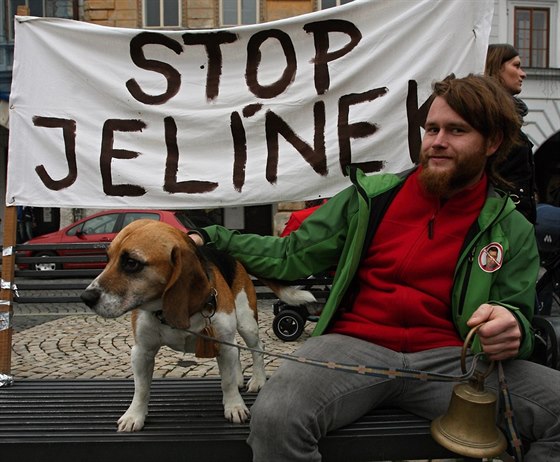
[{"x": 500, "y": 336}]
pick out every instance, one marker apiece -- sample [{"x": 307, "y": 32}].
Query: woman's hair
[
  {"x": 497, "y": 55},
  {"x": 487, "y": 107}
]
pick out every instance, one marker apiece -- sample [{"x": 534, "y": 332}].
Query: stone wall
[
  {"x": 200, "y": 14},
  {"x": 280, "y": 9},
  {"x": 114, "y": 13},
  {"x": 196, "y": 14}
]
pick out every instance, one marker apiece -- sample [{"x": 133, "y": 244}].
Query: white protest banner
[{"x": 111, "y": 117}]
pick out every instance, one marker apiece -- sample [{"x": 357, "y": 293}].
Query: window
[
  {"x": 103, "y": 224},
  {"x": 46, "y": 8},
  {"x": 40, "y": 8},
  {"x": 35, "y": 7},
  {"x": 532, "y": 36},
  {"x": 237, "y": 12},
  {"x": 324, "y": 4},
  {"x": 133, "y": 216},
  {"x": 162, "y": 13}
]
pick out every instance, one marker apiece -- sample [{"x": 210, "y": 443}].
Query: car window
[
  {"x": 184, "y": 220},
  {"x": 133, "y": 216},
  {"x": 98, "y": 225},
  {"x": 75, "y": 230}
]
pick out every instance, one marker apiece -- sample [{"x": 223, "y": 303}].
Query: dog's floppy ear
[{"x": 187, "y": 288}]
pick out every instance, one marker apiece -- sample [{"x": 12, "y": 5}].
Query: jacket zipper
[
  {"x": 431, "y": 223},
  {"x": 466, "y": 280}
]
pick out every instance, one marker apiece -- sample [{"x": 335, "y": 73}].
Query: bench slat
[{"x": 69, "y": 420}]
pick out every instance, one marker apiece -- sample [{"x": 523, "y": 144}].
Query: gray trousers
[{"x": 300, "y": 403}]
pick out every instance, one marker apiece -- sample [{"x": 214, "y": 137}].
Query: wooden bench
[{"x": 74, "y": 421}]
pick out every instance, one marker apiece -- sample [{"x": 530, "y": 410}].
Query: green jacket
[{"x": 337, "y": 232}]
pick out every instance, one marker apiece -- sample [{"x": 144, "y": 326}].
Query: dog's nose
[{"x": 90, "y": 297}]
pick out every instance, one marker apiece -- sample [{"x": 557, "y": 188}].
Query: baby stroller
[{"x": 289, "y": 321}]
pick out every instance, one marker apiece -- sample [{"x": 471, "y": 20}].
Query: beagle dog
[{"x": 175, "y": 289}]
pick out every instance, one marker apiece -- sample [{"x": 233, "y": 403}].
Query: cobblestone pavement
[{"x": 69, "y": 341}]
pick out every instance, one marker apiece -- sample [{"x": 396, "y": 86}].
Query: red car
[{"x": 101, "y": 228}]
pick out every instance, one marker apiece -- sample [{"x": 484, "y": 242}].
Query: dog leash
[
  {"x": 507, "y": 410},
  {"x": 373, "y": 371}
]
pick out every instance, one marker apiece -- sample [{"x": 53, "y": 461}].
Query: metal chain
[{"x": 373, "y": 371}]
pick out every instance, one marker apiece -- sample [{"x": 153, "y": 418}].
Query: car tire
[
  {"x": 45, "y": 266},
  {"x": 288, "y": 325}
]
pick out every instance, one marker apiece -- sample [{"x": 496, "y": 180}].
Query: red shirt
[{"x": 406, "y": 278}]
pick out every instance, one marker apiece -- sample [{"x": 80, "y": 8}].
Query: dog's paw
[
  {"x": 130, "y": 422},
  {"x": 237, "y": 414},
  {"x": 255, "y": 384}
]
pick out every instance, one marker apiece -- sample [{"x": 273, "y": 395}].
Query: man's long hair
[{"x": 489, "y": 109}]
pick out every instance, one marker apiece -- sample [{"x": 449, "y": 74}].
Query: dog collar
[{"x": 211, "y": 304}]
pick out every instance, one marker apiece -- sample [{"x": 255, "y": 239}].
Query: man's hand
[
  {"x": 500, "y": 336},
  {"x": 197, "y": 238}
]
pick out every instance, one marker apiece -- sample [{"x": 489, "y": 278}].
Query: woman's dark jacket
[{"x": 519, "y": 170}]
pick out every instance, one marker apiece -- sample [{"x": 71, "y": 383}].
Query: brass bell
[{"x": 469, "y": 426}]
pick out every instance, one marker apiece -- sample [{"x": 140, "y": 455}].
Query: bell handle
[{"x": 466, "y": 345}]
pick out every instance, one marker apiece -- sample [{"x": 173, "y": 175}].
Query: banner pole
[{"x": 6, "y": 295}]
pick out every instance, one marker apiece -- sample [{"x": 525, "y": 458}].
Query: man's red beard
[
  {"x": 435, "y": 182},
  {"x": 444, "y": 183}
]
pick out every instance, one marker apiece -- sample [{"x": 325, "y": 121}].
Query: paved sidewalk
[{"x": 69, "y": 341}]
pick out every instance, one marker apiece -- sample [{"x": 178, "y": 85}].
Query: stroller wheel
[
  {"x": 278, "y": 306},
  {"x": 288, "y": 325}
]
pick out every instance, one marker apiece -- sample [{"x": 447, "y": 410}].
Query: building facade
[{"x": 532, "y": 26}]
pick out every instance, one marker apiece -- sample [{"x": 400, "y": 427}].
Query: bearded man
[{"x": 412, "y": 279}]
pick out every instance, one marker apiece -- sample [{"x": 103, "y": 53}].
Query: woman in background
[{"x": 504, "y": 64}]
